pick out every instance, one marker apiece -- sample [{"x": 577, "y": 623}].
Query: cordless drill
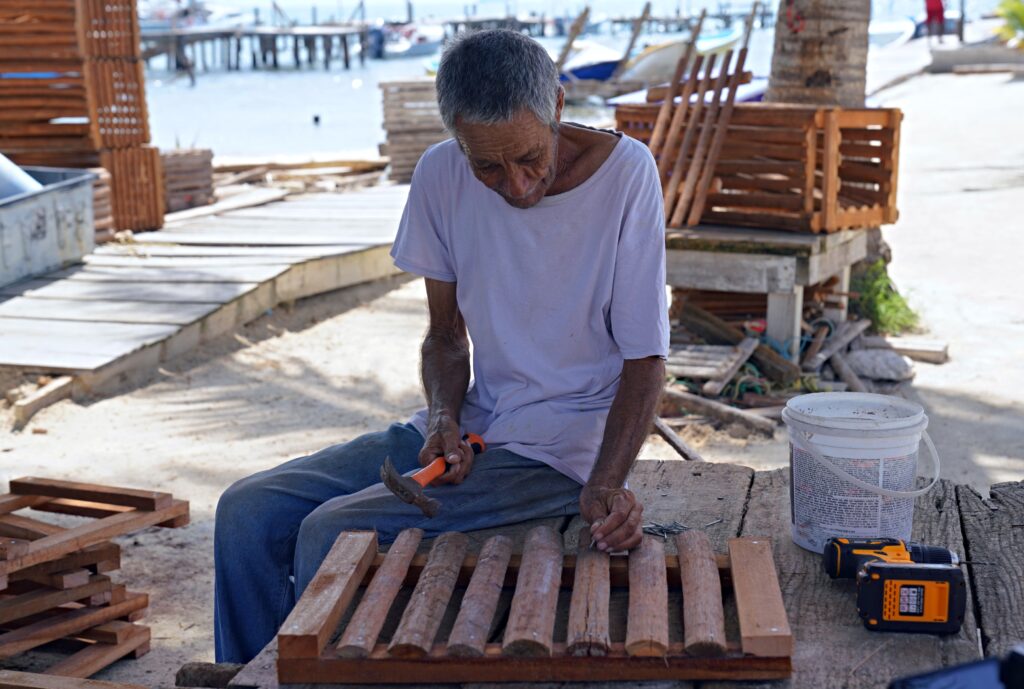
[{"x": 901, "y": 587}]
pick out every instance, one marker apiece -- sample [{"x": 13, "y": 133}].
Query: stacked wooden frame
[
  {"x": 412, "y": 122},
  {"x": 54, "y": 582},
  {"x": 188, "y": 178},
  {"x": 72, "y": 94}
]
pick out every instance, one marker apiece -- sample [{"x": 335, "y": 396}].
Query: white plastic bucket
[{"x": 853, "y": 463}]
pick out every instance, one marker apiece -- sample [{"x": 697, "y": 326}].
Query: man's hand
[
  {"x": 445, "y": 440},
  {"x": 615, "y": 517}
]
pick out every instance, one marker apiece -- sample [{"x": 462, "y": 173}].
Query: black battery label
[{"x": 911, "y": 600}]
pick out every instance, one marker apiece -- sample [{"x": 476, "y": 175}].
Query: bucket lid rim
[{"x": 913, "y": 416}]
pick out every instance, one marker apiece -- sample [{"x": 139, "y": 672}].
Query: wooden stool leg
[{"x": 785, "y": 310}]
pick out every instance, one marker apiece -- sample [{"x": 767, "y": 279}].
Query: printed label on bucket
[{"x": 824, "y": 505}]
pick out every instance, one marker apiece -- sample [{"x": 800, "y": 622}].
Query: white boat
[
  {"x": 657, "y": 63},
  {"x": 413, "y": 40}
]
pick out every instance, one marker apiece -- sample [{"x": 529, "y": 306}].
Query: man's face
[{"x": 515, "y": 159}]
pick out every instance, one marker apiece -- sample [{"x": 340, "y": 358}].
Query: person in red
[{"x": 936, "y": 18}]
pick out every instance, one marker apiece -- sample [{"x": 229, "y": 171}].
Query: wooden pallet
[
  {"x": 54, "y": 581},
  {"x": 796, "y": 167},
  {"x": 619, "y": 644},
  {"x": 412, "y": 122}
]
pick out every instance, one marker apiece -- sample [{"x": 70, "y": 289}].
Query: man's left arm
[{"x": 615, "y": 515}]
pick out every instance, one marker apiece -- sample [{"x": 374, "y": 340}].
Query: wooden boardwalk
[{"x": 129, "y": 307}]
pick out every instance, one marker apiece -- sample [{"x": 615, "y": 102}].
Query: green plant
[
  {"x": 878, "y": 300},
  {"x": 1012, "y": 12}
]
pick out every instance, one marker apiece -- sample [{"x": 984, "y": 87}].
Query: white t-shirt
[{"x": 554, "y": 296}]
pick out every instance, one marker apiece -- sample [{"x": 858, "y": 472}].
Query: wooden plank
[
  {"x": 315, "y": 616},
  {"x": 66, "y": 579},
  {"x": 67, "y": 624},
  {"x": 129, "y": 311},
  {"x": 112, "y": 495},
  {"x": 17, "y": 526},
  {"x": 784, "y": 315},
  {"x": 730, "y": 272},
  {"x": 24, "y": 409},
  {"x": 86, "y": 557},
  {"x": 647, "y": 623},
  {"x": 443, "y": 669},
  {"x": 743, "y": 351},
  {"x": 289, "y": 239},
  {"x": 587, "y": 632},
  {"x": 93, "y": 272},
  {"x": 838, "y": 342},
  {"x": 9, "y": 679},
  {"x": 98, "y": 656},
  {"x": 81, "y": 508},
  {"x": 994, "y": 533},
  {"x": 170, "y": 292},
  {"x": 415, "y": 634},
  {"x": 531, "y": 620},
  {"x": 364, "y": 627},
  {"x": 472, "y": 627},
  {"x": 703, "y": 615},
  {"x": 43, "y": 599},
  {"x": 764, "y": 627},
  {"x": 13, "y": 503},
  {"x": 78, "y": 537},
  {"x": 846, "y": 374},
  {"x": 930, "y": 351},
  {"x": 677, "y": 443},
  {"x": 254, "y": 197},
  {"x": 13, "y": 547},
  {"x": 115, "y": 632},
  {"x": 675, "y": 179},
  {"x": 665, "y": 112},
  {"x": 722, "y": 412}
]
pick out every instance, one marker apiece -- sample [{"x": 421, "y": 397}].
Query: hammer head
[{"x": 407, "y": 490}]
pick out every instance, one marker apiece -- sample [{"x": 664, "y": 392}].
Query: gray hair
[{"x": 487, "y": 77}]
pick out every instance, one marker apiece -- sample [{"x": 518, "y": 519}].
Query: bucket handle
[{"x": 802, "y": 440}]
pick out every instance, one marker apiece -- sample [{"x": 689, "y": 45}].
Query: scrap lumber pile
[
  {"x": 779, "y": 166},
  {"x": 188, "y": 178},
  {"x": 744, "y": 308},
  {"x": 411, "y": 627},
  {"x": 72, "y": 94},
  {"x": 412, "y": 122},
  {"x": 54, "y": 580}
]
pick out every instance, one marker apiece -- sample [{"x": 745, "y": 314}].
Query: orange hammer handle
[{"x": 436, "y": 468}]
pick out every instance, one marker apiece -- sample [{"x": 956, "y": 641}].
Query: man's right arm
[{"x": 444, "y": 367}]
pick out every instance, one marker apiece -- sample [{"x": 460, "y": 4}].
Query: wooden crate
[
  {"x": 412, "y": 122},
  {"x": 69, "y": 29},
  {"x": 797, "y": 168},
  {"x": 188, "y": 178},
  {"x": 529, "y": 650},
  {"x": 54, "y": 580}
]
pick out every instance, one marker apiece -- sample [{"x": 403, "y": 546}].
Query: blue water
[{"x": 265, "y": 113}]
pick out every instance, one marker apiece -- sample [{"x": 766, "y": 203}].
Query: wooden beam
[
  {"x": 362, "y": 630},
  {"x": 743, "y": 351},
  {"x": 44, "y": 599},
  {"x": 647, "y": 622},
  {"x": 315, "y": 617},
  {"x": 764, "y": 627},
  {"x": 9, "y": 679},
  {"x": 473, "y": 624},
  {"x": 722, "y": 412},
  {"x": 930, "y": 351},
  {"x": 703, "y": 615},
  {"x": 129, "y": 497},
  {"x": 531, "y": 622},
  {"x": 587, "y": 631},
  {"x": 415, "y": 634},
  {"x": 842, "y": 337},
  {"x": 97, "y": 656},
  {"x": 677, "y": 443},
  {"x": 57, "y": 389},
  {"x": 847, "y": 374}
]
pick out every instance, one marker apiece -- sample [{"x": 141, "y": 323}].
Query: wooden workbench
[
  {"x": 779, "y": 264},
  {"x": 832, "y": 648}
]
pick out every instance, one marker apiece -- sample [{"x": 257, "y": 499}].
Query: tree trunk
[{"x": 821, "y": 52}]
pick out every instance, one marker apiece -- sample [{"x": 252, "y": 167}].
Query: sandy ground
[{"x": 341, "y": 364}]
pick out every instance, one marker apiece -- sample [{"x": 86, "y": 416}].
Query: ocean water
[{"x": 271, "y": 113}]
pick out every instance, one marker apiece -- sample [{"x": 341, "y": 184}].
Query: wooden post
[
  {"x": 238, "y": 53},
  {"x": 295, "y": 52},
  {"x": 473, "y": 625},
  {"x": 587, "y": 633},
  {"x": 344, "y": 51},
  {"x": 364, "y": 45},
  {"x": 422, "y": 618},
  {"x": 273, "y": 52},
  {"x": 531, "y": 621},
  {"x": 703, "y": 615},
  {"x": 315, "y": 617},
  {"x": 647, "y": 624},
  {"x": 328, "y": 47},
  {"x": 830, "y": 169},
  {"x": 574, "y": 31},
  {"x": 363, "y": 629},
  {"x": 785, "y": 311}
]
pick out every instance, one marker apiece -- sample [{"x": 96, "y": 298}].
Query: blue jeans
[{"x": 282, "y": 522}]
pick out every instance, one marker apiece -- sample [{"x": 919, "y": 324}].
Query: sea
[{"x": 337, "y": 113}]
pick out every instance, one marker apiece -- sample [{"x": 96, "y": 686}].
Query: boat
[
  {"x": 413, "y": 40},
  {"x": 590, "y": 60},
  {"x": 890, "y": 32},
  {"x": 657, "y": 63}
]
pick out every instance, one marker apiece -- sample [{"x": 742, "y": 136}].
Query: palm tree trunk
[{"x": 821, "y": 52}]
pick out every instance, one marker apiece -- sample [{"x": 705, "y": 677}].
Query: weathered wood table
[
  {"x": 779, "y": 264},
  {"x": 832, "y": 648}
]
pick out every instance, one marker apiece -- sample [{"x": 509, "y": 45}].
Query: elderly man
[{"x": 544, "y": 240}]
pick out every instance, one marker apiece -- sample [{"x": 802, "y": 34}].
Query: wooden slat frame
[{"x": 496, "y": 664}]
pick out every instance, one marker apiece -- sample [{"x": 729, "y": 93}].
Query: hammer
[{"x": 410, "y": 488}]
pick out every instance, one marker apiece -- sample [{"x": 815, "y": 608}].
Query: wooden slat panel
[
  {"x": 764, "y": 627},
  {"x": 112, "y": 495},
  {"x": 362, "y": 630},
  {"x": 703, "y": 615},
  {"x": 315, "y": 617},
  {"x": 647, "y": 624},
  {"x": 414, "y": 636},
  {"x": 587, "y": 633},
  {"x": 473, "y": 624},
  {"x": 531, "y": 621}
]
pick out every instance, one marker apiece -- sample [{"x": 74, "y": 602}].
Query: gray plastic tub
[{"x": 46, "y": 229}]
